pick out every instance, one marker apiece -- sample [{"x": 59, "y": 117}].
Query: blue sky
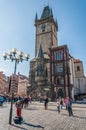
[{"x": 17, "y": 28}]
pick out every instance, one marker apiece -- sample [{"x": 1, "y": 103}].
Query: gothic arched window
[{"x": 39, "y": 70}]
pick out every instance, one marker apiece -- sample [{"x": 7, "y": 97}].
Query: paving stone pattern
[{"x": 37, "y": 118}]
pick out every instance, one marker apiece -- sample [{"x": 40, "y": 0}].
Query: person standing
[
  {"x": 58, "y": 106},
  {"x": 66, "y": 102},
  {"x": 19, "y": 106},
  {"x": 46, "y": 103},
  {"x": 70, "y": 107},
  {"x": 61, "y": 103}
]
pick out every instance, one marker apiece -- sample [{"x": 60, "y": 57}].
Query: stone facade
[
  {"x": 79, "y": 71},
  {"x": 16, "y": 84},
  {"x": 60, "y": 71},
  {"x": 46, "y": 37},
  {"x": 58, "y": 77},
  {"x": 2, "y": 82},
  {"x": 80, "y": 79},
  {"x": 22, "y": 85},
  {"x": 46, "y": 31}
]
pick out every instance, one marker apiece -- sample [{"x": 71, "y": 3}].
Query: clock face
[{"x": 43, "y": 27}]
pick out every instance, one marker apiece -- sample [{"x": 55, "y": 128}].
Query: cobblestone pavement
[{"x": 36, "y": 118}]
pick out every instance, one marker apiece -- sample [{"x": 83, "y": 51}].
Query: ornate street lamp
[{"x": 16, "y": 56}]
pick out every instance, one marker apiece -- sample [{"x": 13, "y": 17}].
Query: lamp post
[{"x": 17, "y": 57}]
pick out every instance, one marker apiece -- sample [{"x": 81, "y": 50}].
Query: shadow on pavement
[
  {"x": 79, "y": 117},
  {"x": 79, "y": 110},
  {"x": 30, "y": 108},
  {"x": 28, "y": 124},
  {"x": 64, "y": 114},
  {"x": 37, "y": 126},
  {"x": 74, "y": 116},
  {"x": 52, "y": 110}
]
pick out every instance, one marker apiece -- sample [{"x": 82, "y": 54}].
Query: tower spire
[
  {"x": 36, "y": 17},
  {"x": 51, "y": 13}
]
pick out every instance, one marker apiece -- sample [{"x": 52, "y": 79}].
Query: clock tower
[
  {"x": 46, "y": 38},
  {"x": 46, "y": 31}
]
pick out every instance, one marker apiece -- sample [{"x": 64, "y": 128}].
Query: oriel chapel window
[{"x": 59, "y": 55}]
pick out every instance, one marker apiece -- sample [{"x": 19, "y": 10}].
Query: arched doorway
[{"x": 60, "y": 93}]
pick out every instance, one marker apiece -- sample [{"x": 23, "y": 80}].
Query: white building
[
  {"x": 80, "y": 86},
  {"x": 77, "y": 78}
]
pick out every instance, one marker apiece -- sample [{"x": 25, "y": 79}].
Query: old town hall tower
[
  {"x": 46, "y": 31},
  {"x": 46, "y": 38}
]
